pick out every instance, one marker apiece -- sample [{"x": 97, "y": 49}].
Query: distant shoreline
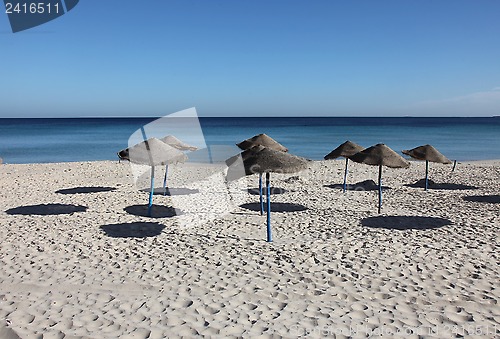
[{"x": 488, "y": 162}]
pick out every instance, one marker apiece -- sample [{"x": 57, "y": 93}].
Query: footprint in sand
[{"x": 20, "y": 317}]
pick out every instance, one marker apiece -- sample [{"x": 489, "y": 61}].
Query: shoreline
[{"x": 411, "y": 160}]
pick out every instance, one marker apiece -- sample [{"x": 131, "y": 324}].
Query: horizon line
[{"x": 258, "y": 116}]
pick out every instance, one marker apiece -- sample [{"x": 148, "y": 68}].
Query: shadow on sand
[
  {"x": 274, "y": 190},
  {"x": 490, "y": 199},
  {"x": 172, "y": 191},
  {"x": 7, "y": 332},
  {"x": 442, "y": 186},
  {"x": 78, "y": 190},
  {"x": 405, "y": 222},
  {"x": 48, "y": 209},
  {"x": 133, "y": 230},
  {"x": 367, "y": 185},
  {"x": 157, "y": 211},
  {"x": 276, "y": 207}
]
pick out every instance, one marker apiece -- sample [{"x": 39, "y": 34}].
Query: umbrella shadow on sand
[
  {"x": 405, "y": 222},
  {"x": 157, "y": 211},
  {"x": 133, "y": 230},
  {"x": 172, "y": 191},
  {"x": 441, "y": 186},
  {"x": 46, "y": 209},
  {"x": 367, "y": 185},
  {"x": 274, "y": 190},
  {"x": 490, "y": 199},
  {"x": 280, "y": 207},
  {"x": 7, "y": 332},
  {"x": 83, "y": 190}
]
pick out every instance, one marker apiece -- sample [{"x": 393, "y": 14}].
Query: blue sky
[{"x": 255, "y": 58}]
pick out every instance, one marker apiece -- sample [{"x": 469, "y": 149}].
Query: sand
[{"x": 80, "y": 258}]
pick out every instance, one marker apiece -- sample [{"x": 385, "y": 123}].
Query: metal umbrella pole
[
  {"x": 379, "y": 188},
  {"x": 165, "y": 181},
  {"x": 426, "y": 174},
  {"x": 151, "y": 192},
  {"x": 345, "y": 174},
  {"x": 260, "y": 193},
  {"x": 268, "y": 194}
]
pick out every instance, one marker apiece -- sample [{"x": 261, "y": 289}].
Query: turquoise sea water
[{"x": 82, "y": 139}]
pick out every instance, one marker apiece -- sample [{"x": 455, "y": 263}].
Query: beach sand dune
[{"x": 80, "y": 260}]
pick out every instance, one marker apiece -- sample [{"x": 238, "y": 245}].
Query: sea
[{"x": 41, "y": 140}]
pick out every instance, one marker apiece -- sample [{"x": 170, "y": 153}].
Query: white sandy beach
[{"x": 427, "y": 266}]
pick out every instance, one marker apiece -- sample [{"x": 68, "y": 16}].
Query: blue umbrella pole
[
  {"x": 345, "y": 174},
  {"x": 260, "y": 193},
  {"x": 379, "y": 188},
  {"x": 165, "y": 181},
  {"x": 268, "y": 194},
  {"x": 151, "y": 192},
  {"x": 454, "y": 165},
  {"x": 209, "y": 151},
  {"x": 426, "y": 174}
]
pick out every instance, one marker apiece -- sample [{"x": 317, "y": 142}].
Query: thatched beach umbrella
[
  {"x": 177, "y": 144},
  {"x": 123, "y": 155},
  {"x": 427, "y": 153},
  {"x": 266, "y": 141},
  {"x": 152, "y": 152},
  {"x": 380, "y": 155},
  {"x": 345, "y": 150},
  {"x": 265, "y": 160}
]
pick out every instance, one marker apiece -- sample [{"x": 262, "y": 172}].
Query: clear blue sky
[{"x": 256, "y": 57}]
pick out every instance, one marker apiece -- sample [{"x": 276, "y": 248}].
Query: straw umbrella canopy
[
  {"x": 178, "y": 144},
  {"x": 152, "y": 152},
  {"x": 265, "y": 160},
  {"x": 263, "y": 140},
  {"x": 123, "y": 154},
  {"x": 427, "y": 153},
  {"x": 380, "y": 155},
  {"x": 266, "y": 141},
  {"x": 345, "y": 150}
]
